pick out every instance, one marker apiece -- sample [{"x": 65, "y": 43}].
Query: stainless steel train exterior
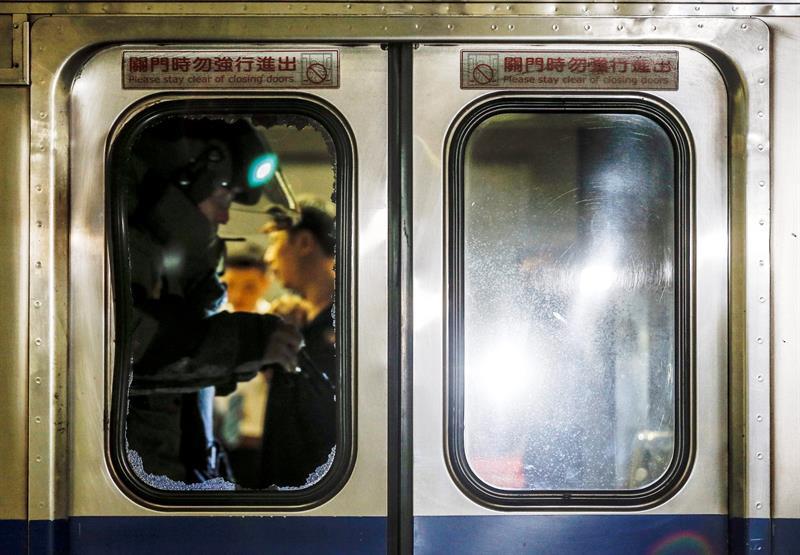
[{"x": 405, "y": 88}]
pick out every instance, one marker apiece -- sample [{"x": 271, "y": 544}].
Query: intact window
[
  {"x": 569, "y": 309},
  {"x": 227, "y": 220}
]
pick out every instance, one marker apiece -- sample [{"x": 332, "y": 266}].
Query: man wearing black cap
[
  {"x": 186, "y": 173},
  {"x": 300, "y": 430}
]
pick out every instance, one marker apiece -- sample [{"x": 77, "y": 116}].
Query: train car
[{"x": 565, "y": 311}]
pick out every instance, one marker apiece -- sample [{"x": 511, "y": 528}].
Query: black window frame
[
  {"x": 334, "y": 123},
  {"x": 685, "y": 413}
]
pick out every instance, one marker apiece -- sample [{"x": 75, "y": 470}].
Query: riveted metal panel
[
  {"x": 739, "y": 50},
  {"x": 657, "y": 8}
]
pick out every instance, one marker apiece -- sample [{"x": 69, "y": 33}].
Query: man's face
[
  {"x": 245, "y": 287},
  {"x": 283, "y": 260},
  {"x": 216, "y": 208}
]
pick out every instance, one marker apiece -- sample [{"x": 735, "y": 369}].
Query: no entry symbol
[
  {"x": 483, "y": 74},
  {"x": 316, "y": 73}
]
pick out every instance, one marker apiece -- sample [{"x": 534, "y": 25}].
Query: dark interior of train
[{"x": 229, "y": 235}]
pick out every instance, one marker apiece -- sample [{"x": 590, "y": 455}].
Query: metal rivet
[
  {"x": 37, "y": 342},
  {"x": 41, "y": 504},
  {"x": 760, "y": 147},
  {"x": 759, "y": 418},
  {"x": 760, "y": 47},
  {"x": 762, "y": 221},
  {"x": 349, "y": 6},
  {"x": 759, "y": 456},
  {"x": 38, "y": 459},
  {"x": 494, "y": 27},
  {"x": 759, "y": 340},
  {"x": 761, "y": 114},
  {"x": 653, "y": 28},
  {"x": 38, "y": 264},
  {"x": 697, "y": 8},
  {"x": 587, "y": 27},
  {"x": 700, "y": 25},
  {"x": 584, "y": 9},
  {"x": 620, "y": 27},
  {"x": 43, "y": 148},
  {"x": 43, "y": 115},
  {"x": 616, "y": 8},
  {"x": 555, "y": 27},
  {"x": 760, "y": 377},
  {"x": 762, "y": 300},
  {"x": 652, "y": 8},
  {"x": 38, "y": 381},
  {"x": 761, "y": 81},
  {"x": 38, "y": 188},
  {"x": 510, "y": 27},
  {"x": 450, "y": 26},
  {"x": 744, "y": 26},
  {"x": 758, "y": 505},
  {"x": 416, "y": 26},
  {"x": 734, "y": 8},
  {"x": 38, "y": 419},
  {"x": 39, "y": 223},
  {"x": 37, "y": 304},
  {"x": 762, "y": 183},
  {"x": 760, "y": 262}
]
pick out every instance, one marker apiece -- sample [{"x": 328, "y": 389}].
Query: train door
[
  {"x": 570, "y": 292},
  {"x": 106, "y": 119}
]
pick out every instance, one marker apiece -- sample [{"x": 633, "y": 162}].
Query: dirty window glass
[
  {"x": 229, "y": 248},
  {"x": 569, "y": 299}
]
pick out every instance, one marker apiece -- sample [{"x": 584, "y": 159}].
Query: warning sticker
[
  {"x": 230, "y": 69},
  {"x": 569, "y": 69}
]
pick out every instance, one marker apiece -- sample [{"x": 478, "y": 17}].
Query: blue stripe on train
[
  {"x": 211, "y": 535},
  {"x": 562, "y": 534},
  {"x": 13, "y": 536},
  {"x": 572, "y": 534},
  {"x": 785, "y": 536}
]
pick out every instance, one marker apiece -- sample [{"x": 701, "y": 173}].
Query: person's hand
[
  {"x": 292, "y": 309},
  {"x": 282, "y": 346}
]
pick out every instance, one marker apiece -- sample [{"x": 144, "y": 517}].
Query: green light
[{"x": 262, "y": 169}]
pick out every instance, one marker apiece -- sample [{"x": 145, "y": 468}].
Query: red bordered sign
[
  {"x": 569, "y": 69},
  {"x": 230, "y": 69}
]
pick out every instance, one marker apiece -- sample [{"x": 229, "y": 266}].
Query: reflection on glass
[{"x": 569, "y": 320}]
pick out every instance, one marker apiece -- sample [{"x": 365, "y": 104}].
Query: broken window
[{"x": 226, "y": 262}]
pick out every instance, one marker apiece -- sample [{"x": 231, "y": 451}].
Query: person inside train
[
  {"x": 247, "y": 281},
  {"x": 240, "y": 415},
  {"x": 184, "y": 174},
  {"x": 300, "y": 429}
]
